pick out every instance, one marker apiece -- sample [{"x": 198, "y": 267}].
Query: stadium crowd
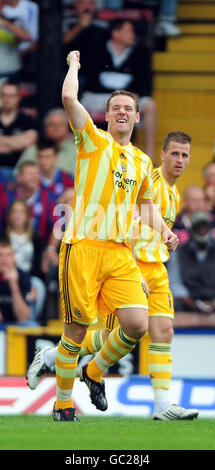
[{"x": 37, "y": 170}]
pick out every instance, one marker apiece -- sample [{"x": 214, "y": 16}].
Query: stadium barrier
[
  {"x": 127, "y": 396},
  {"x": 193, "y": 352}
]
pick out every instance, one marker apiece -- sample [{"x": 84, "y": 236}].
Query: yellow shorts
[
  {"x": 160, "y": 299},
  {"x": 94, "y": 276}
]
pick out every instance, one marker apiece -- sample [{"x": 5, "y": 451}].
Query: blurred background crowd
[{"x": 133, "y": 45}]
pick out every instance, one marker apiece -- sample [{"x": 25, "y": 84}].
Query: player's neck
[
  {"x": 171, "y": 180},
  {"x": 121, "y": 139}
]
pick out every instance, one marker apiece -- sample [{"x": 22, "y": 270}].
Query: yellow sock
[
  {"x": 160, "y": 365},
  {"x": 92, "y": 343},
  {"x": 65, "y": 364},
  {"x": 116, "y": 346}
]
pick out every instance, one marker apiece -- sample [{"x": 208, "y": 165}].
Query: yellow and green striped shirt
[
  {"x": 149, "y": 247},
  {"x": 108, "y": 179}
]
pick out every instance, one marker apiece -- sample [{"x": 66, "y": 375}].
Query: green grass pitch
[{"x": 107, "y": 433}]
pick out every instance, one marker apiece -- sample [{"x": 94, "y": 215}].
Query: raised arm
[{"x": 76, "y": 112}]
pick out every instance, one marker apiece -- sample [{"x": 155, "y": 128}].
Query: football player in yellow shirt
[
  {"x": 96, "y": 266},
  {"x": 151, "y": 254}
]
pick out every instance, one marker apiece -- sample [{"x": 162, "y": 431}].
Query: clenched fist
[{"x": 74, "y": 57}]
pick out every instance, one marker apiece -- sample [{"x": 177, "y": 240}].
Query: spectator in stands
[
  {"x": 25, "y": 13},
  {"x": 56, "y": 129},
  {"x": 193, "y": 200},
  {"x": 28, "y": 248},
  {"x": 11, "y": 34},
  {"x": 15, "y": 286},
  {"x": 165, "y": 25},
  {"x": 123, "y": 65},
  {"x": 41, "y": 202},
  {"x": 52, "y": 178},
  {"x": 83, "y": 31},
  {"x": 27, "y": 244},
  {"x": 192, "y": 268},
  {"x": 67, "y": 196},
  {"x": 64, "y": 209},
  {"x": 210, "y": 198},
  {"x": 17, "y": 129},
  {"x": 56, "y": 181},
  {"x": 208, "y": 173}
]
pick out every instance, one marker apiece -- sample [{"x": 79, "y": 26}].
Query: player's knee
[
  {"x": 170, "y": 333},
  {"x": 163, "y": 335},
  {"x": 166, "y": 334},
  {"x": 140, "y": 332},
  {"x": 134, "y": 322},
  {"x": 75, "y": 331},
  {"x": 137, "y": 328}
]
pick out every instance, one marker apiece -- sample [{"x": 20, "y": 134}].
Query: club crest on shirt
[{"x": 123, "y": 168}]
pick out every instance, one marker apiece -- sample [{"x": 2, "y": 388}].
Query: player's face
[
  {"x": 176, "y": 158},
  {"x": 122, "y": 115}
]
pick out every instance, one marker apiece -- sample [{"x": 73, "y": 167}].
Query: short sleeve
[{"x": 88, "y": 139}]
